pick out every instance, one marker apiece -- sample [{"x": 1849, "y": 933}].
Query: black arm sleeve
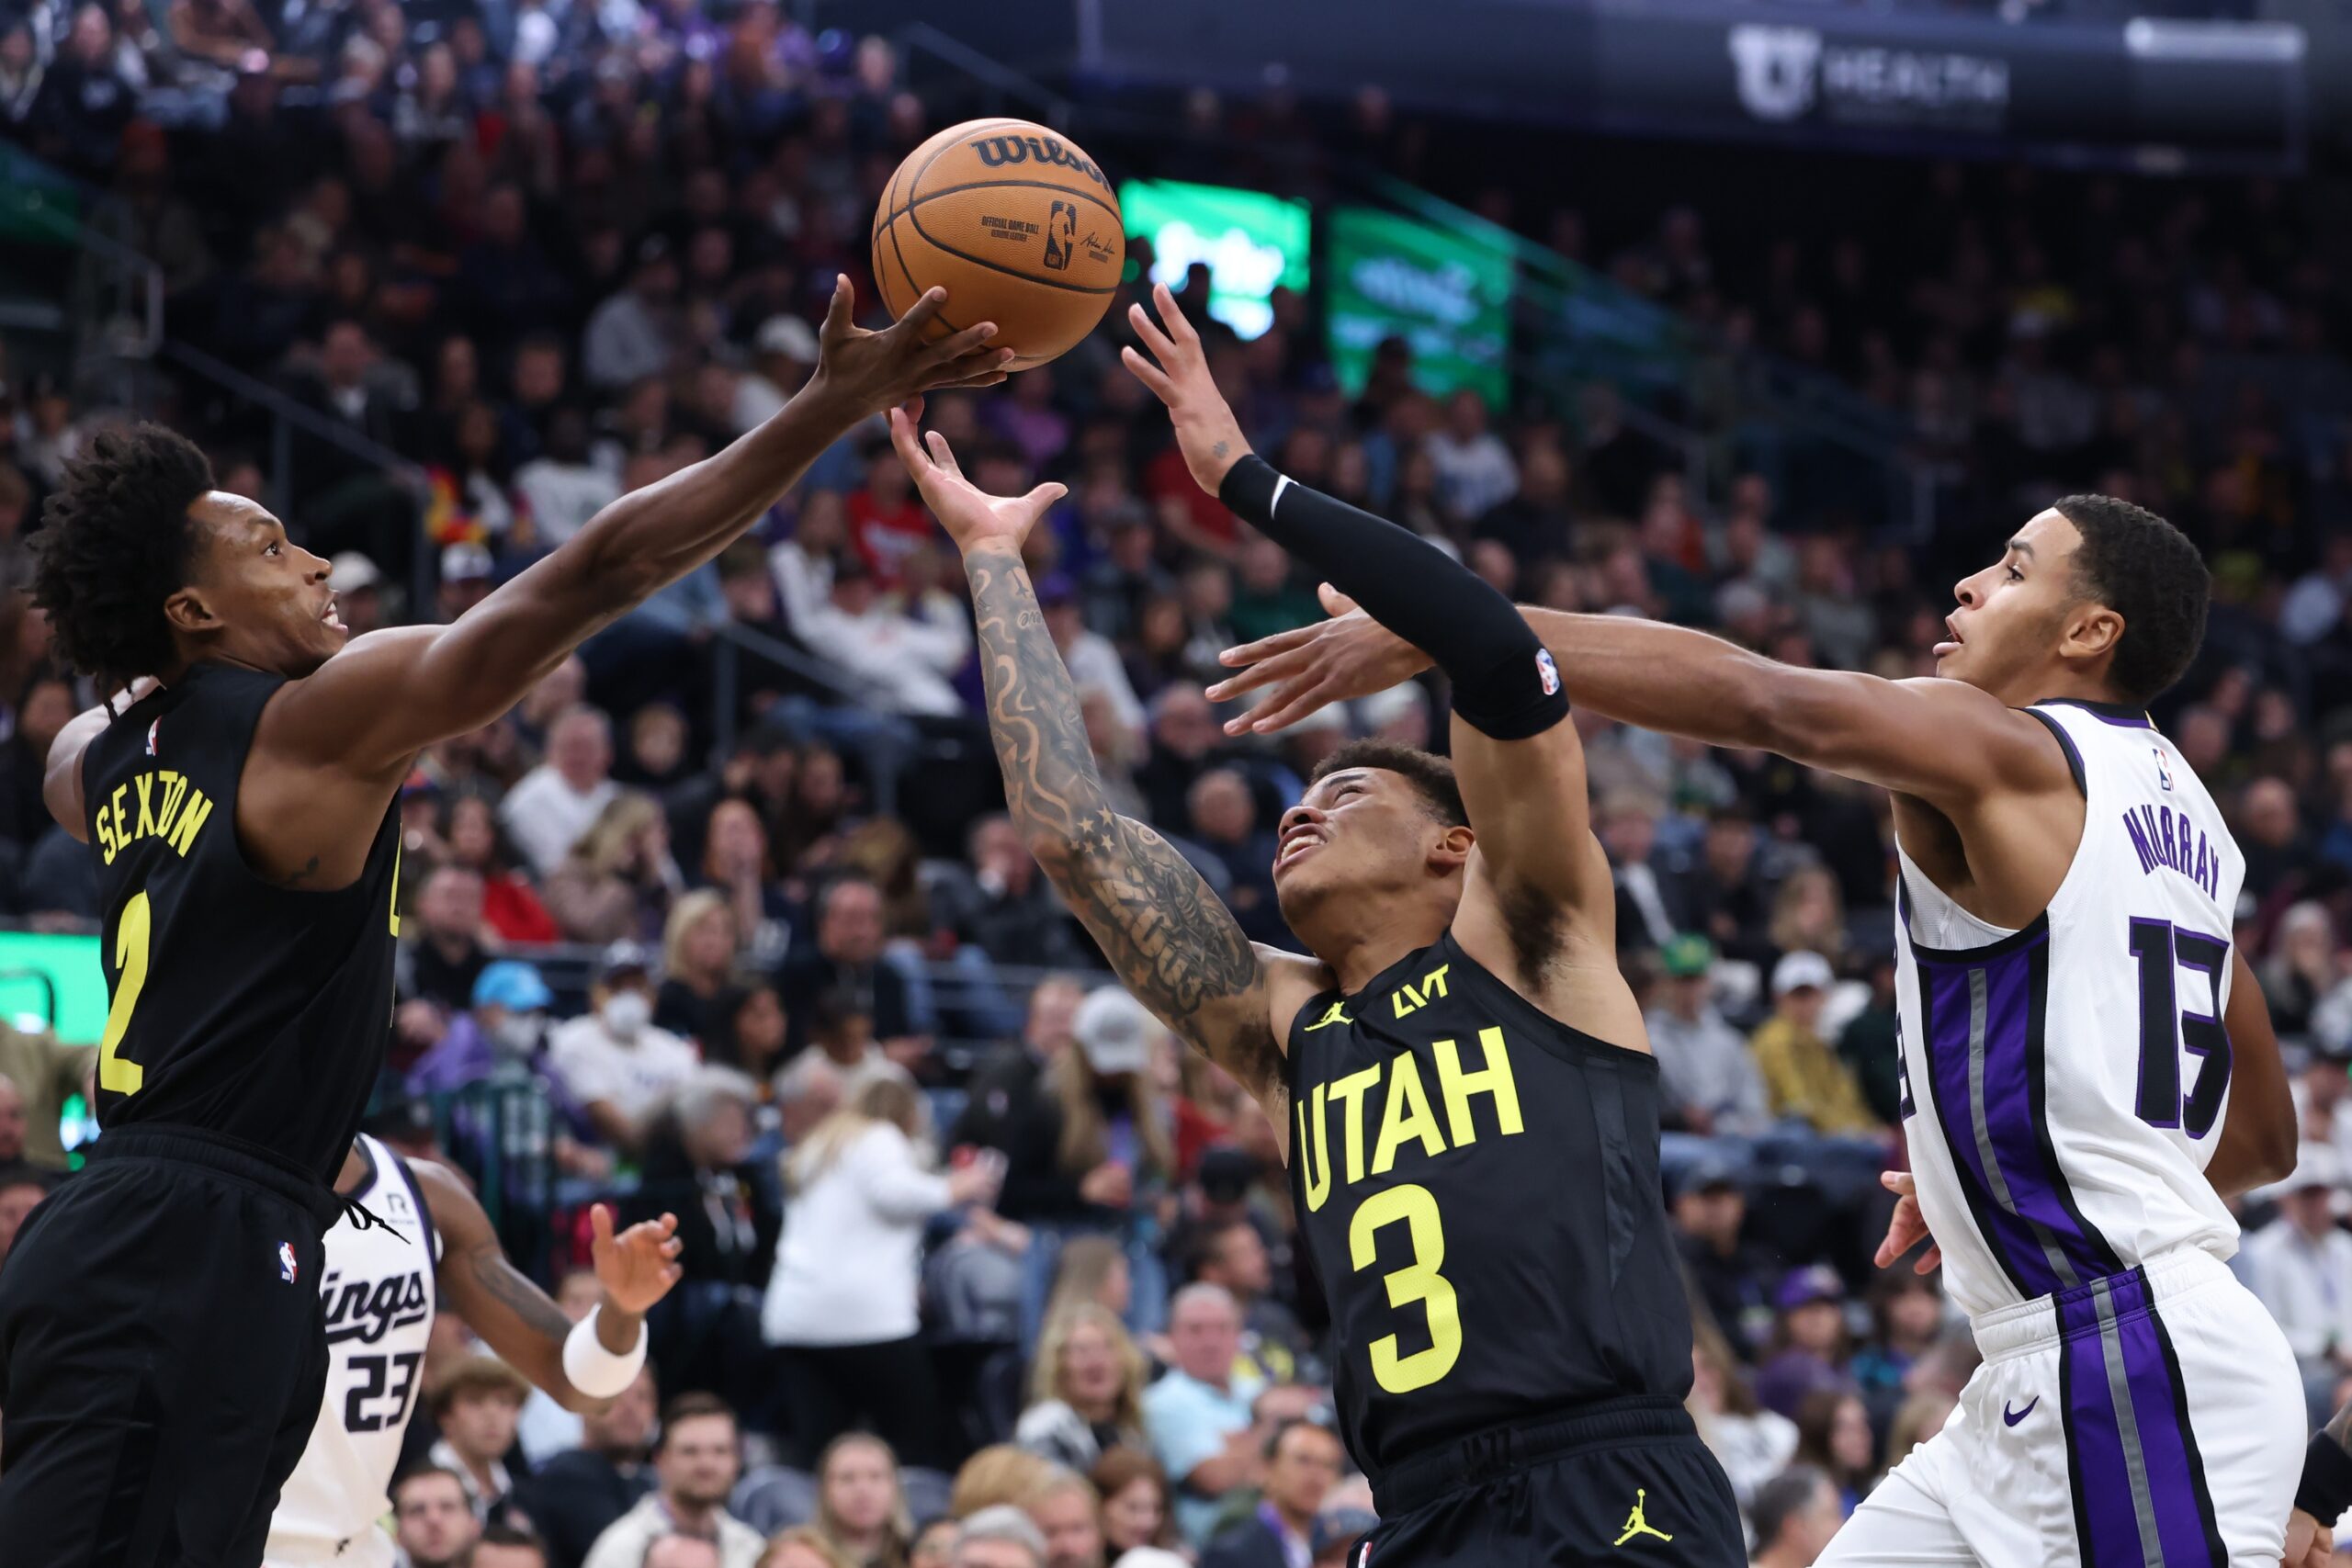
[{"x": 1504, "y": 682}]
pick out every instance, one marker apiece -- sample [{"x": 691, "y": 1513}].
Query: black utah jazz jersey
[
  {"x": 1478, "y": 1184},
  {"x": 242, "y": 1009}
]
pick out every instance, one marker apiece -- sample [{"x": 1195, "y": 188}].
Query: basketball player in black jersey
[
  {"x": 1460, "y": 1070},
  {"x": 161, "y": 1349}
]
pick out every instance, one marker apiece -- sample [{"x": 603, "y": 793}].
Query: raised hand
[
  {"x": 1205, "y": 428},
  {"x": 638, "y": 1267},
  {"x": 872, "y": 371},
  {"x": 1308, "y": 667},
  {"x": 2310, "y": 1543},
  {"x": 1907, "y": 1227},
  {"x": 971, "y": 516}
]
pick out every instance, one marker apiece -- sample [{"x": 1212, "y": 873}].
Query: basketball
[{"x": 1019, "y": 226}]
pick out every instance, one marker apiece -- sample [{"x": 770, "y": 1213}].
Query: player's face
[
  {"x": 1358, "y": 831},
  {"x": 2011, "y": 615},
  {"x": 261, "y": 599}
]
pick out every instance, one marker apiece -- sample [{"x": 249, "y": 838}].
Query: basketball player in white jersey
[
  {"x": 2088, "y": 1067},
  {"x": 427, "y": 1237}
]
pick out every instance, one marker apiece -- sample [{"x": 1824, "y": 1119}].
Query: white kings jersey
[
  {"x": 377, "y": 1293},
  {"x": 2065, "y": 1085}
]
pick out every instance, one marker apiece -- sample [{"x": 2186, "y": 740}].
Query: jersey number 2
[
  {"x": 1417, "y": 1281},
  {"x": 118, "y": 1074},
  {"x": 2166, "y": 1027}
]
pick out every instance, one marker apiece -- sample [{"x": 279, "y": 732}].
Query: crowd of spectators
[{"x": 552, "y": 252}]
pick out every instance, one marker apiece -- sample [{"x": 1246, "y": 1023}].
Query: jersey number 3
[
  {"x": 2166, "y": 1027},
  {"x": 1417, "y": 1281}
]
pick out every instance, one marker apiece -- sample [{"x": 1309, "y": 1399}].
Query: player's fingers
[
  {"x": 669, "y": 1225},
  {"x": 1900, "y": 1182},
  {"x": 1172, "y": 319},
  {"x": 671, "y": 1247},
  {"x": 837, "y": 310},
  {"x": 902, "y": 441},
  {"x": 989, "y": 377},
  {"x": 943, "y": 454},
  {"x": 600, "y": 1224},
  {"x": 1265, "y": 648},
  {"x": 1044, "y": 496},
  {"x": 1150, "y": 375},
  {"x": 1929, "y": 1261},
  {"x": 1335, "y": 603},
  {"x": 971, "y": 340},
  {"x": 919, "y": 314},
  {"x": 1285, "y": 708}
]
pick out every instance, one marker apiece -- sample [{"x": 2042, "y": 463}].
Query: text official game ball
[{"x": 1016, "y": 223}]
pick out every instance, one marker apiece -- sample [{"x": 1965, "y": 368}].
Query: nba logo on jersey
[
  {"x": 2163, "y": 773},
  {"x": 150, "y": 736},
  {"x": 287, "y": 1267},
  {"x": 1546, "y": 671}
]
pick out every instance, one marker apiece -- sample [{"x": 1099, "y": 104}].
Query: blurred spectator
[
  {"x": 683, "y": 1551},
  {"x": 1183, "y": 746},
  {"x": 635, "y": 333},
  {"x": 749, "y": 1030},
  {"x": 698, "y": 961},
  {"x": 1708, "y": 1080},
  {"x": 999, "y": 1537},
  {"x": 612, "y": 1061},
  {"x": 1834, "y": 1436},
  {"x": 999, "y": 1473},
  {"x": 1802, "y": 1075},
  {"x": 12, "y": 1123},
  {"x": 2299, "y": 1265},
  {"x": 1067, "y": 1514},
  {"x": 859, "y": 1509},
  {"x": 1907, "y": 1319},
  {"x": 898, "y": 661},
  {"x": 1750, "y": 1442},
  {"x": 511, "y": 908},
  {"x": 433, "y": 1522},
  {"x": 1732, "y": 1276},
  {"x": 1092, "y": 1269},
  {"x": 696, "y": 1165},
  {"x": 1794, "y": 1515},
  {"x": 1223, "y": 817},
  {"x": 45, "y": 1073},
  {"x": 1136, "y": 1510},
  {"x": 575, "y": 1496},
  {"x": 1198, "y": 1414},
  {"x": 1809, "y": 1344},
  {"x": 555, "y": 803},
  {"x": 505, "y": 1030},
  {"x": 887, "y": 523},
  {"x": 441, "y": 941},
  {"x": 1091, "y": 1143},
  {"x": 475, "y": 1405},
  {"x": 695, "y": 1461},
  {"x": 619, "y": 877},
  {"x": 1475, "y": 470},
  {"x": 22, "y": 1187},
  {"x": 545, "y": 1428},
  {"x": 562, "y": 487},
  {"x": 1917, "y": 1418},
  {"x": 1651, "y": 906},
  {"x": 2304, "y": 977},
  {"x": 1231, "y": 1252},
  {"x": 1094, "y": 664},
  {"x": 804, "y": 1548},
  {"x": 1872, "y": 1047},
  {"x": 842, "y": 1300},
  {"x": 503, "y": 1546},
  {"x": 1002, "y": 904},
  {"x": 847, "y": 960},
  {"x": 1008, "y": 1075},
  {"x": 1303, "y": 1461},
  {"x": 1086, "y": 1389},
  {"x": 47, "y": 706}
]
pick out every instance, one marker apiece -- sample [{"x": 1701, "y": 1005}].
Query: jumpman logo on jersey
[
  {"x": 1637, "y": 1522},
  {"x": 1332, "y": 1017}
]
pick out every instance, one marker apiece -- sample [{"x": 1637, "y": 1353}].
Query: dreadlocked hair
[{"x": 113, "y": 544}]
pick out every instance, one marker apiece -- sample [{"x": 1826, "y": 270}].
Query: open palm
[{"x": 971, "y": 515}]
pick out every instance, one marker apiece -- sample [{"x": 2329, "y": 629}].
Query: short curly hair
[
  {"x": 115, "y": 542},
  {"x": 2146, "y": 570},
  {"x": 1430, "y": 775}
]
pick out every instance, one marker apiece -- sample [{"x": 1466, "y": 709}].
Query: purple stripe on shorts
[{"x": 2137, "y": 1489}]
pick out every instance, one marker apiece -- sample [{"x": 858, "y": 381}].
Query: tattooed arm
[
  {"x": 1173, "y": 943},
  {"x": 517, "y": 1319}
]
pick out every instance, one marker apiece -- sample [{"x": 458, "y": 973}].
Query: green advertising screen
[
  {"x": 1252, "y": 242},
  {"x": 55, "y": 981},
  {"x": 1445, "y": 291}
]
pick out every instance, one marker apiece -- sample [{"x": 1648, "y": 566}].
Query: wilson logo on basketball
[{"x": 998, "y": 151}]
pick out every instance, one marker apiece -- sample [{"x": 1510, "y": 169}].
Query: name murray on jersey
[
  {"x": 1409, "y": 1116},
  {"x": 157, "y": 804},
  {"x": 2162, "y": 837}
]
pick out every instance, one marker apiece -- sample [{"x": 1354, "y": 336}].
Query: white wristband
[{"x": 594, "y": 1371}]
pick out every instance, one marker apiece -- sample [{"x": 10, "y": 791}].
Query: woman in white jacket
[{"x": 841, "y": 1305}]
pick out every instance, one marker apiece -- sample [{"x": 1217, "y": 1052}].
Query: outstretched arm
[
  {"x": 1170, "y": 938},
  {"x": 1518, "y": 764},
  {"x": 513, "y": 1317},
  {"x": 389, "y": 693},
  {"x": 1938, "y": 741}
]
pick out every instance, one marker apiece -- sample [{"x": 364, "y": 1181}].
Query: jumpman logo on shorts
[{"x": 1637, "y": 1522}]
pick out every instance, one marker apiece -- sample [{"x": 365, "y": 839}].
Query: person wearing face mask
[{"x": 613, "y": 1060}]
